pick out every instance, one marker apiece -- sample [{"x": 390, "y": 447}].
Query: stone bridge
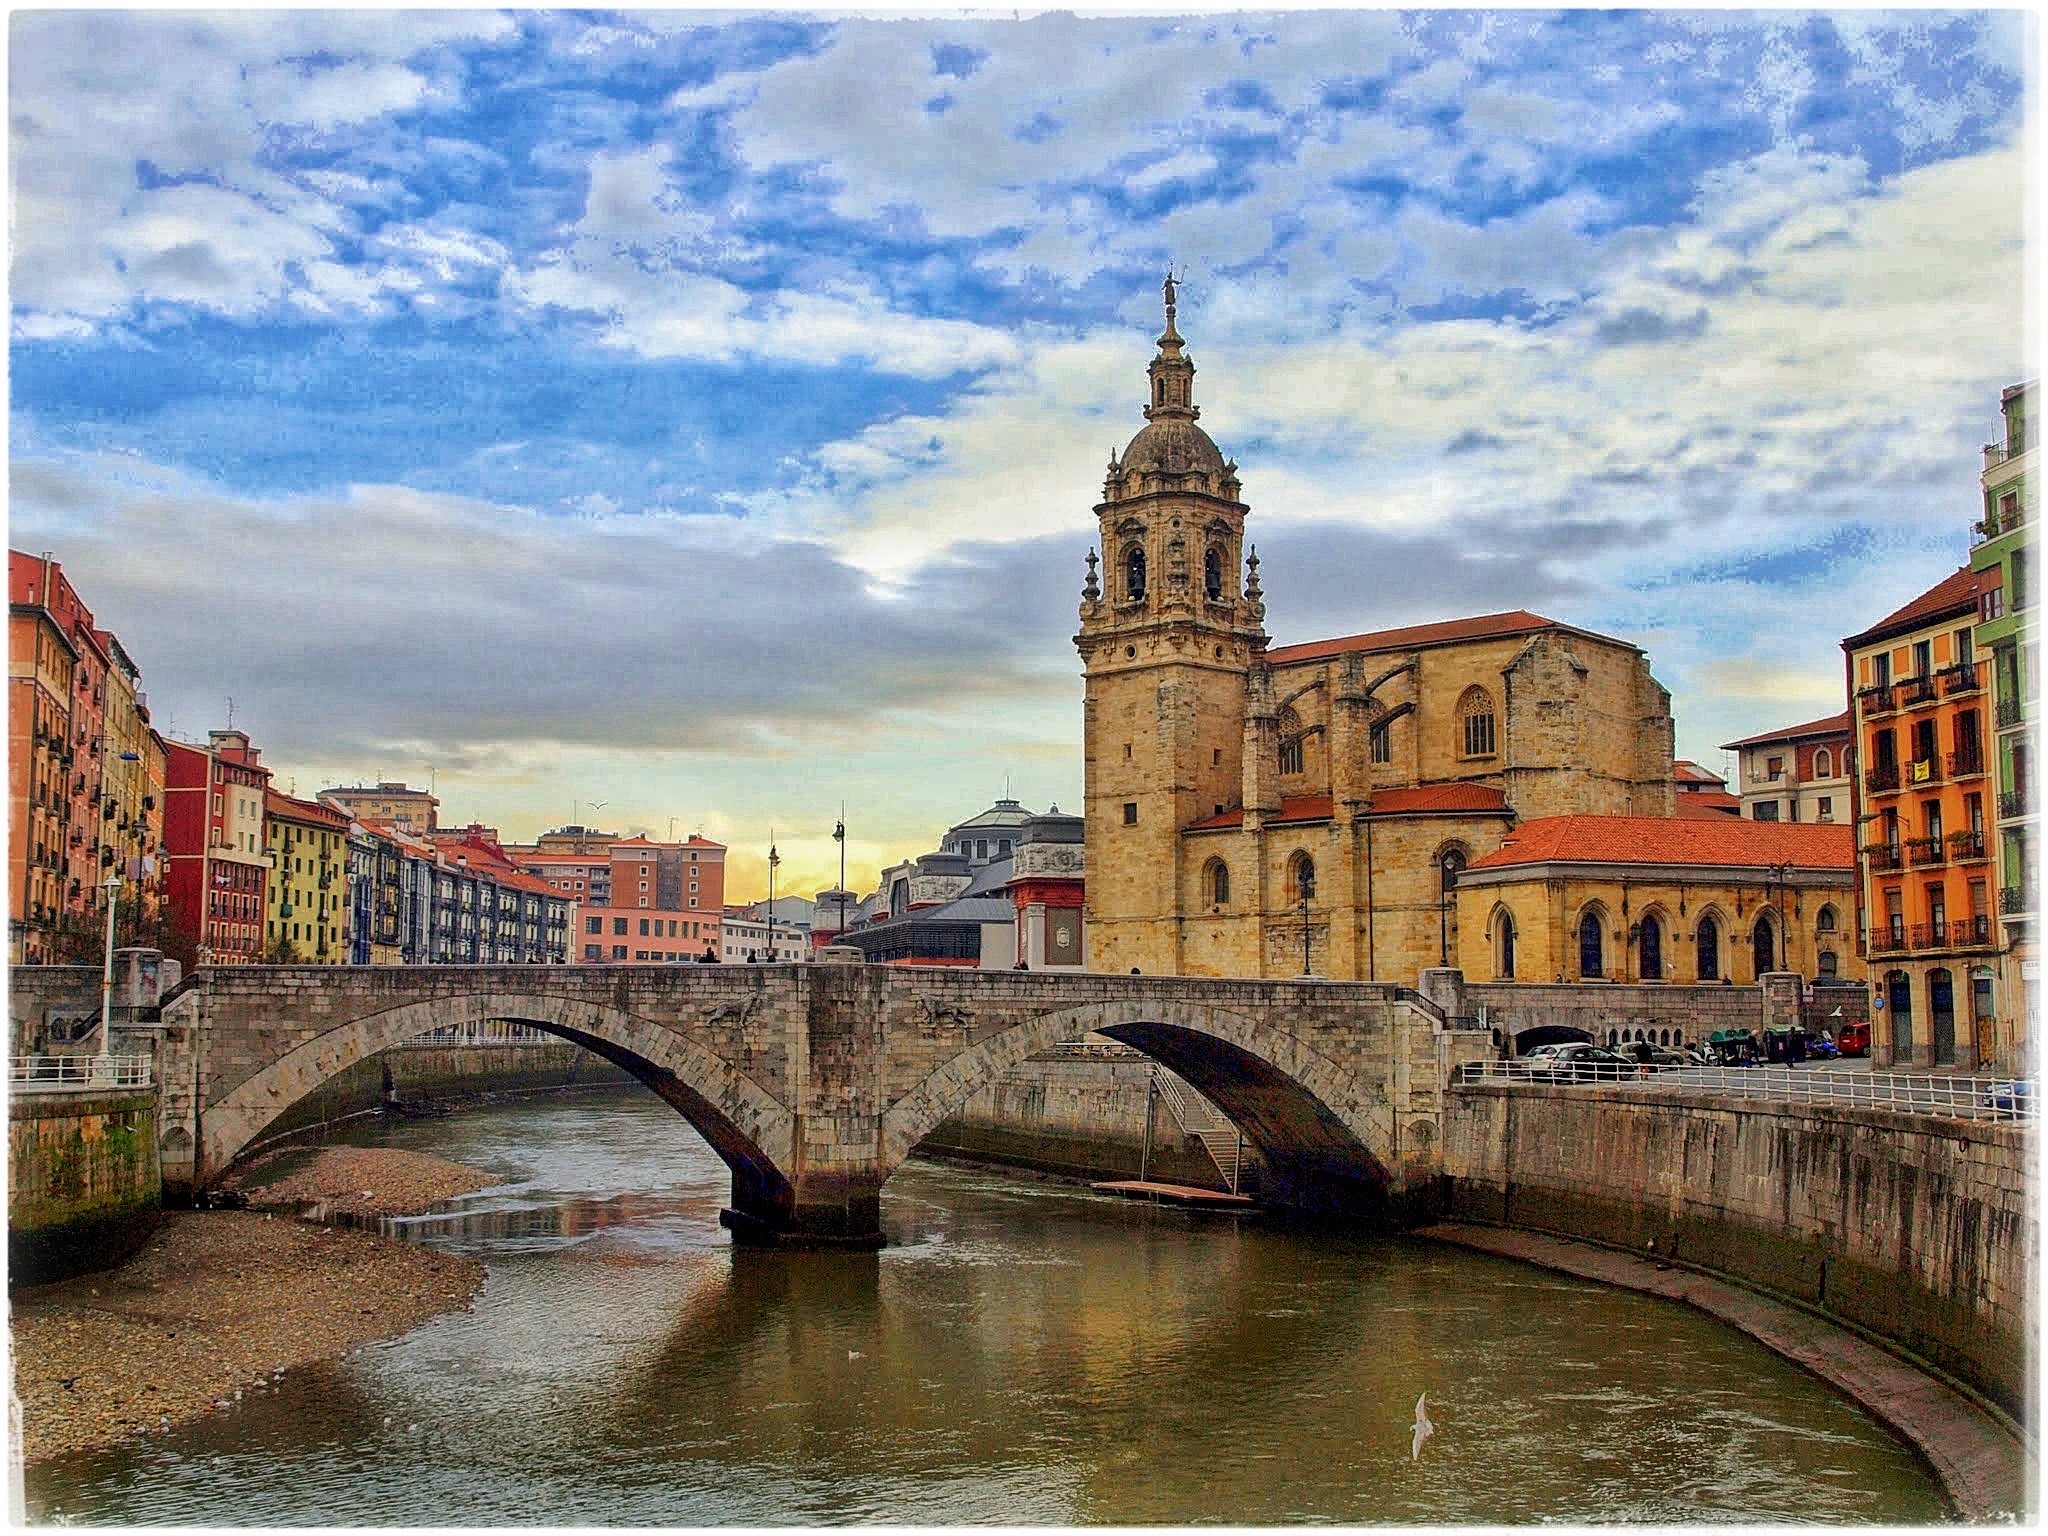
[{"x": 814, "y": 1082}]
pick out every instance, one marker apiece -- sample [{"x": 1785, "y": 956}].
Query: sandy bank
[{"x": 219, "y": 1302}]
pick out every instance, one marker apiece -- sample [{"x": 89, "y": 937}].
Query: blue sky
[{"x": 703, "y": 414}]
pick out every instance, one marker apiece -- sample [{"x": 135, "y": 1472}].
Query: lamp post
[
  {"x": 113, "y": 889},
  {"x": 773, "y": 859},
  {"x": 1308, "y": 887},
  {"x": 839, "y": 837}
]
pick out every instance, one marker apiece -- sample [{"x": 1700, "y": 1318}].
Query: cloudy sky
[{"x": 702, "y": 414}]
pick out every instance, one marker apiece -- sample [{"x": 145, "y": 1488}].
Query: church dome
[{"x": 1172, "y": 445}]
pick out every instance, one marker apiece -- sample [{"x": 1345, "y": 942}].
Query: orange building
[
  {"x": 662, "y": 901},
  {"x": 1925, "y": 896},
  {"x": 40, "y": 665}
]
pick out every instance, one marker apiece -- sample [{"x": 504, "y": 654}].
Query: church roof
[
  {"x": 1485, "y": 626},
  {"x": 1173, "y": 445},
  {"x": 1699, "y": 841}
]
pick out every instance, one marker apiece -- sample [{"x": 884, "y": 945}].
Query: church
[{"x": 1254, "y": 811}]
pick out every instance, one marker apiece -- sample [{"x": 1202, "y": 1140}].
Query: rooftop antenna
[{"x": 231, "y": 712}]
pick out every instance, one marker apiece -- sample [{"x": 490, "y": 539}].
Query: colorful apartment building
[
  {"x": 1923, "y": 801},
  {"x": 665, "y": 901},
  {"x": 79, "y": 769},
  {"x": 408, "y": 809},
  {"x": 217, "y": 882},
  {"x": 2008, "y": 633},
  {"x": 1799, "y": 773},
  {"x": 307, "y": 907}
]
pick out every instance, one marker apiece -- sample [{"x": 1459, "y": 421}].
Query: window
[
  {"x": 1763, "y": 946},
  {"x": 643, "y": 927},
  {"x": 1130, "y": 813},
  {"x": 618, "y": 927},
  {"x": 1825, "y": 922},
  {"x": 1991, "y": 605},
  {"x": 1504, "y": 940},
  {"x": 1381, "y": 741},
  {"x": 1590, "y": 945},
  {"x": 1650, "y": 950},
  {"x": 1923, "y": 657},
  {"x": 1764, "y": 810},
  {"x": 1290, "y": 755},
  {"x": 1963, "y": 653},
  {"x": 593, "y": 925},
  {"x": 1774, "y": 768},
  {"x": 618, "y": 951},
  {"x": 1828, "y": 963},
  {"x": 1707, "y": 950},
  {"x": 1823, "y": 763},
  {"x": 1303, "y": 877},
  {"x": 1134, "y": 573},
  {"x": 1212, "y": 574},
  {"x": 1475, "y": 713},
  {"x": 1881, "y": 665},
  {"x": 1219, "y": 883}
]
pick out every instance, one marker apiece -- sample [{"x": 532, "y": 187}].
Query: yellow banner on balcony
[{"x": 1922, "y": 772}]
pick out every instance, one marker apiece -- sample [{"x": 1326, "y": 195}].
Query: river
[{"x": 1021, "y": 1353}]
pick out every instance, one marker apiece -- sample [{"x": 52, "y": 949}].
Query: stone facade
[
  {"x": 83, "y": 1185},
  {"x": 1917, "y": 1228},
  {"x": 1224, "y": 777}
]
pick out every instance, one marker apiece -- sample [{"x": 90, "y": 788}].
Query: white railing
[
  {"x": 69, "y": 1074},
  {"x": 1923, "y": 1093},
  {"x": 482, "y": 1034},
  {"x": 1220, "y": 1139}
]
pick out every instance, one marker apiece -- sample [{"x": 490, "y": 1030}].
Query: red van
[{"x": 1854, "y": 1040}]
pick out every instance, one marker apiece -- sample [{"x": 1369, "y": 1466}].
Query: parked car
[
  {"x": 1581, "y": 1064},
  {"x": 2010, "y": 1099}
]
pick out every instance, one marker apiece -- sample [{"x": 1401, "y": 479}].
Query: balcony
[
  {"x": 2008, "y": 712},
  {"x": 1877, "y": 701},
  {"x": 1888, "y": 941},
  {"x": 1932, "y": 935},
  {"x": 1970, "y": 933},
  {"x": 2017, "y": 900},
  {"x": 1960, "y": 678},
  {"x": 1924, "y": 850},
  {"x": 1966, "y": 845},
  {"x": 2011, "y": 803},
  {"x": 1996, "y": 454},
  {"x": 1966, "y": 761},
  {"x": 1926, "y": 771},
  {"x": 1884, "y": 777},
  {"x": 1917, "y": 690}
]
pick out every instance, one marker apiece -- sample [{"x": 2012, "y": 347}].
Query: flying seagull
[{"x": 1423, "y": 1428}]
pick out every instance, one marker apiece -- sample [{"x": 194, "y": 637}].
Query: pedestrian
[
  {"x": 752, "y": 958},
  {"x": 1023, "y": 965}
]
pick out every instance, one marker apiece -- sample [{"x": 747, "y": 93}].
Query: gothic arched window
[
  {"x": 1590, "y": 945},
  {"x": 1291, "y": 738},
  {"x": 1134, "y": 573},
  {"x": 1504, "y": 934},
  {"x": 1219, "y": 883},
  {"x": 1763, "y": 943},
  {"x": 1303, "y": 878},
  {"x": 1212, "y": 574},
  {"x": 1650, "y": 949},
  {"x": 1707, "y": 945},
  {"x": 1823, "y": 764},
  {"x": 1475, "y": 719}
]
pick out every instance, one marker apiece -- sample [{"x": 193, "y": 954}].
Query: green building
[{"x": 2007, "y": 632}]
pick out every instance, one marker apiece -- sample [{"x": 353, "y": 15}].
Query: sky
[{"x": 692, "y": 421}]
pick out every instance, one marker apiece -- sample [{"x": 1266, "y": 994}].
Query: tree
[{"x": 281, "y": 951}]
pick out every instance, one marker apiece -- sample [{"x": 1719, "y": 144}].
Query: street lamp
[
  {"x": 107, "y": 972},
  {"x": 1308, "y": 889},
  {"x": 839, "y": 837},
  {"x": 773, "y": 859}
]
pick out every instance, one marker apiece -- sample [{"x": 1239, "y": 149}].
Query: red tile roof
[
  {"x": 1951, "y": 596},
  {"x": 291, "y": 808},
  {"x": 1386, "y": 802},
  {"x": 1686, "y": 771},
  {"x": 1487, "y": 626},
  {"x": 1709, "y": 802},
  {"x": 1709, "y": 841},
  {"x": 1831, "y": 725}
]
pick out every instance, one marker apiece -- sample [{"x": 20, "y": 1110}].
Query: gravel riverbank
[{"x": 218, "y": 1303}]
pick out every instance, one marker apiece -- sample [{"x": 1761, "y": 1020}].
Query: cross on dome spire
[{"x": 1171, "y": 373}]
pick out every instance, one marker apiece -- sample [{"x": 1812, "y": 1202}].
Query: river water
[{"x": 1022, "y": 1353}]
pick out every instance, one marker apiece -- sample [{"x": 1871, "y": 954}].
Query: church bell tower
[{"x": 1171, "y": 623}]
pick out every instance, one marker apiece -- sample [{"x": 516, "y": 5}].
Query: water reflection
[{"x": 1021, "y": 1353}]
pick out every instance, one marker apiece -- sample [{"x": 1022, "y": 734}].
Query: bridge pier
[{"x": 819, "y": 1211}]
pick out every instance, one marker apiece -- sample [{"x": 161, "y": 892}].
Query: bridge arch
[
  {"x": 743, "y": 1123},
  {"x": 1327, "y": 1136}
]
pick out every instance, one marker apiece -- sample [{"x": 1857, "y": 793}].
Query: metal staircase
[{"x": 1194, "y": 1114}]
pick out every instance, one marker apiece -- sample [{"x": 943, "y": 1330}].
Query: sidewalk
[{"x": 1987, "y": 1473}]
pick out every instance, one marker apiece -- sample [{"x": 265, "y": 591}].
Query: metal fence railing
[
  {"x": 67, "y": 1074},
  {"x": 1926, "y": 1093},
  {"x": 492, "y": 1033}
]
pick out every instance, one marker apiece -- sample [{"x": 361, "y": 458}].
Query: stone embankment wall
[
  {"x": 1078, "y": 1118},
  {"x": 1914, "y": 1227},
  {"x": 83, "y": 1187},
  {"x": 417, "y": 1074}
]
